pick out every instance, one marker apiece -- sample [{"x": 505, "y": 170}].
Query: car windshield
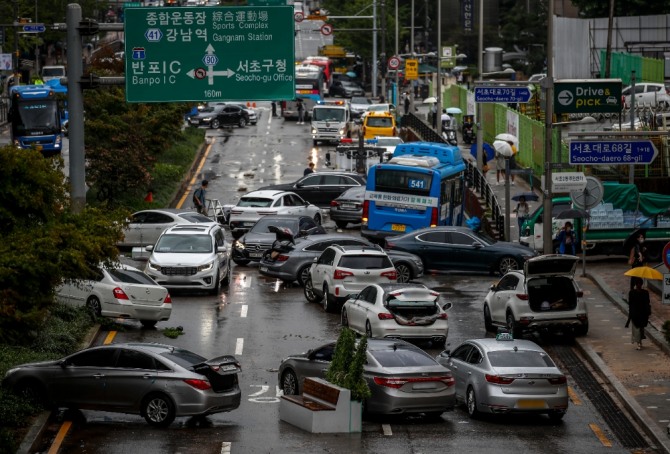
[
  {"x": 187, "y": 244},
  {"x": 130, "y": 276},
  {"x": 519, "y": 358},
  {"x": 484, "y": 238},
  {"x": 365, "y": 262},
  {"x": 379, "y": 122},
  {"x": 261, "y": 226},
  {"x": 328, "y": 114},
  {"x": 402, "y": 357},
  {"x": 257, "y": 202}
]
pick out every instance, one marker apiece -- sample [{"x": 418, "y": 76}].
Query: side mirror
[
  {"x": 493, "y": 288},
  {"x": 445, "y": 354},
  {"x": 477, "y": 245},
  {"x": 299, "y": 185},
  {"x": 447, "y": 306},
  {"x": 221, "y": 249},
  {"x": 149, "y": 248}
]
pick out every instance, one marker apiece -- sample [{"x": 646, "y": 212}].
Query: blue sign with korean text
[
  {"x": 33, "y": 28},
  {"x": 612, "y": 152},
  {"x": 502, "y": 94}
]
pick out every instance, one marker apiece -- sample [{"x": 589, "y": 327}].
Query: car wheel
[
  {"x": 507, "y": 264},
  {"x": 556, "y": 416},
  {"x": 582, "y": 330},
  {"x": 471, "y": 403},
  {"x": 33, "y": 391},
  {"x": 289, "y": 383},
  {"x": 309, "y": 291},
  {"x": 148, "y": 323},
  {"x": 158, "y": 410},
  {"x": 303, "y": 275},
  {"x": 488, "y": 323},
  {"x": 243, "y": 122},
  {"x": 215, "y": 124},
  {"x": 94, "y": 305},
  {"x": 512, "y": 326},
  {"x": 341, "y": 224},
  {"x": 404, "y": 273},
  {"x": 368, "y": 329},
  {"x": 328, "y": 303},
  {"x": 317, "y": 219},
  {"x": 241, "y": 262},
  {"x": 345, "y": 319}
]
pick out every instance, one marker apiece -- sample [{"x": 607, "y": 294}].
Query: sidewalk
[{"x": 641, "y": 379}]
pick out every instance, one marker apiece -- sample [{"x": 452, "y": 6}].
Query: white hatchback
[
  {"x": 647, "y": 94},
  {"x": 120, "y": 292},
  {"x": 398, "y": 311},
  {"x": 256, "y": 204}
]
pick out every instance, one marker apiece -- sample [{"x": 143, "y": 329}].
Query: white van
[{"x": 52, "y": 72}]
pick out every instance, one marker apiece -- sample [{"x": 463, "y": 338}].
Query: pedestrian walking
[
  {"x": 500, "y": 168},
  {"x": 406, "y": 104},
  {"x": 567, "y": 239},
  {"x": 639, "y": 310},
  {"x": 637, "y": 256},
  {"x": 200, "y": 198},
  {"x": 301, "y": 111},
  {"x": 274, "y": 108},
  {"x": 522, "y": 210},
  {"x": 309, "y": 169},
  {"x": 512, "y": 161}
]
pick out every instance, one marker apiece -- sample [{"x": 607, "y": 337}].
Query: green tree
[
  {"x": 43, "y": 241},
  {"x": 600, "y": 8},
  {"x": 523, "y": 27}
]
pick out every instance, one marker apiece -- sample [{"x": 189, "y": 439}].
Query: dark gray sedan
[
  {"x": 294, "y": 265},
  {"x": 156, "y": 381},
  {"x": 402, "y": 378},
  {"x": 348, "y": 207}
]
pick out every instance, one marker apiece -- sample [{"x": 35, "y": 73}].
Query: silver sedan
[
  {"x": 156, "y": 381},
  {"x": 505, "y": 375}
]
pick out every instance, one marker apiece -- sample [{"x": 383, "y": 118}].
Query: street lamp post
[
  {"x": 480, "y": 67},
  {"x": 439, "y": 65}
]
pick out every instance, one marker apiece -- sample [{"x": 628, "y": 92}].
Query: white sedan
[
  {"x": 256, "y": 204},
  {"x": 144, "y": 227},
  {"x": 406, "y": 311},
  {"x": 120, "y": 292}
]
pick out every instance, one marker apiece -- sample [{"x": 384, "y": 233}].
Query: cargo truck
[{"x": 622, "y": 211}]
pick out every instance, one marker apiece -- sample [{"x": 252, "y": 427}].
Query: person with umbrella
[
  {"x": 637, "y": 256},
  {"x": 567, "y": 239},
  {"x": 522, "y": 211},
  {"x": 639, "y": 310}
]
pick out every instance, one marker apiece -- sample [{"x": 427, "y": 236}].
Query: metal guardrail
[{"x": 473, "y": 176}]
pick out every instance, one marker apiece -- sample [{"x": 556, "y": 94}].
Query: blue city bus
[
  {"x": 420, "y": 186},
  {"x": 35, "y": 117}
]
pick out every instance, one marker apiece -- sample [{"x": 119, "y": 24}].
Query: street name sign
[
  {"x": 33, "y": 28},
  {"x": 587, "y": 96},
  {"x": 210, "y": 54},
  {"x": 568, "y": 181},
  {"x": 612, "y": 152},
  {"x": 503, "y": 94}
]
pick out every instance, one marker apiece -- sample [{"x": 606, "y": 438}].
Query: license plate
[
  {"x": 348, "y": 206},
  {"x": 531, "y": 404},
  {"x": 398, "y": 227},
  {"x": 255, "y": 255},
  {"x": 426, "y": 385},
  {"x": 248, "y": 224}
]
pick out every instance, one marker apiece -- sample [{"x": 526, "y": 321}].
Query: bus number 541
[{"x": 417, "y": 184}]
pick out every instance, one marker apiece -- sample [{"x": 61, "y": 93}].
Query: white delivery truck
[{"x": 331, "y": 121}]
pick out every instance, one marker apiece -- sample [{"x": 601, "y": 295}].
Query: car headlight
[
  {"x": 206, "y": 267},
  {"x": 313, "y": 130},
  {"x": 342, "y": 132},
  {"x": 238, "y": 245},
  {"x": 154, "y": 266}
]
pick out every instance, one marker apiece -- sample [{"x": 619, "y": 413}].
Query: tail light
[
  {"x": 334, "y": 203},
  {"x": 283, "y": 104},
  {"x": 443, "y": 316},
  {"x": 497, "y": 380},
  {"x": 119, "y": 294},
  {"x": 391, "y": 275},
  {"x": 168, "y": 299},
  {"x": 558, "y": 380},
  {"x": 398, "y": 382},
  {"x": 281, "y": 258},
  {"x": 340, "y": 274},
  {"x": 202, "y": 385},
  {"x": 394, "y": 131},
  {"x": 385, "y": 316},
  {"x": 522, "y": 296},
  {"x": 366, "y": 212},
  {"x": 389, "y": 244},
  {"x": 433, "y": 217}
]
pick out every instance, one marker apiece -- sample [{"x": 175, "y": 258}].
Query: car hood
[
  {"x": 176, "y": 259},
  {"x": 396, "y": 254},
  {"x": 253, "y": 238},
  {"x": 550, "y": 265},
  {"x": 37, "y": 365},
  {"x": 514, "y": 248}
]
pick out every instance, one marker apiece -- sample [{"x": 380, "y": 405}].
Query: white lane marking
[
  {"x": 239, "y": 346},
  {"x": 387, "y": 430},
  {"x": 243, "y": 312},
  {"x": 225, "y": 447},
  {"x": 255, "y": 397}
]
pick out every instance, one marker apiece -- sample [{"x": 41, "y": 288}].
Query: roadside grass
[{"x": 66, "y": 327}]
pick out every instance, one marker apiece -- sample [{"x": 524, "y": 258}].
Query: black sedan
[
  {"x": 294, "y": 265},
  {"x": 221, "y": 114},
  {"x": 157, "y": 381},
  {"x": 461, "y": 249},
  {"x": 320, "y": 188},
  {"x": 251, "y": 246}
]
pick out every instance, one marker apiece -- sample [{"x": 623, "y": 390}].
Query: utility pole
[
  {"x": 480, "y": 67},
  {"x": 384, "y": 58},
  {"x": 547, "y": 232},
  {"x": 75, "y": 102},
  {"x": 374, "y": 49}
]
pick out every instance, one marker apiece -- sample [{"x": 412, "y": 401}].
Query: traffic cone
[{"x": 150, "y": 197}]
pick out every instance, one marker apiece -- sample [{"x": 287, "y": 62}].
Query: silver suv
[
  {"x": 190, "y": 257},
  {"x": 343, "y": 270}
]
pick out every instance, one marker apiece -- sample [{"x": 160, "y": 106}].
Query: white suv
[
  {"x": 343, "y": 270},
  {"x": 190, "y": 256},
  {"x": 544, "y": 296}
]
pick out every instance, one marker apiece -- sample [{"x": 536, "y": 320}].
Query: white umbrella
[
  {"x": 503, "y": 148},
  {"x": 507, "y": 137},
  {"x": 431, "y": 100},
  {"x": 454, "y": 110}
]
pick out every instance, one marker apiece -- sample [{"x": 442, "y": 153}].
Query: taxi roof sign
[{"x": 504, "y": 337}]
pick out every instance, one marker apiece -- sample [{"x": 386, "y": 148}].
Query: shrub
[{"x": 346, "y": 368}]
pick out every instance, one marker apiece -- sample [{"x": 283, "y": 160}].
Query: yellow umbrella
[{"x": 644, "y": 272}]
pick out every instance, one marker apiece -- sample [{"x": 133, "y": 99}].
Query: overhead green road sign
[
  {"x": 587, "y": 96},
  {"x": 209, "y": 54}
]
